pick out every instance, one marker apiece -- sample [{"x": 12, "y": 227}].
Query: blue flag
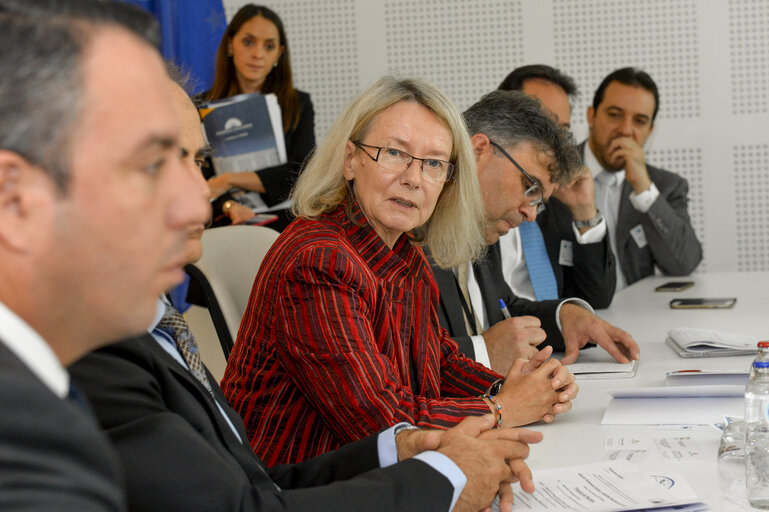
[{"x": 192, "y": 30}]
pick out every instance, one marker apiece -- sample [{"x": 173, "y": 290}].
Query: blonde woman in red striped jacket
[{"x": 341, "y": 337}]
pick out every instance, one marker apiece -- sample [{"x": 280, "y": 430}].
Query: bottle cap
[
  {"x": 763, "y": 344},
  {"x": 760, "y": 364}
]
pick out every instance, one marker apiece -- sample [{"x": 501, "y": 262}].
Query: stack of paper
[
  {"x": 606, "y": 487},
  {"x": 707, "y": 377},
  {"x": 674, "y": 405}
]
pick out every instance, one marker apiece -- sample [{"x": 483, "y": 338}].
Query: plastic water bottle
[{"x": 757, "y": 437}]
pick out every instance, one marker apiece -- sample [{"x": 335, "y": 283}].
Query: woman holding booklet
[{"x": 253, "y": 56}]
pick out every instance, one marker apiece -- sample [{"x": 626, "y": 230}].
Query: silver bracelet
[{"x": 401, "y": 428}]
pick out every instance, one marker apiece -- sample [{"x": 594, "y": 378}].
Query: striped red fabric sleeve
[{"x": 334, "y": 354}]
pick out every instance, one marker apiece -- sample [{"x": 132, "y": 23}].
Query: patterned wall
[
  {"x": 710, "y": 59},
  {"x": 751, "y": 193},
  {"x": 483, "y": 45}
]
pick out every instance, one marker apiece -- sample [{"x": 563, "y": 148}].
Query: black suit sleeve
[
  {"x": 279, "y": 180},
  {"x": 179, "y": 454},
  {"x": 52, "y": 457},
  {"x": 593, "y": 275}
]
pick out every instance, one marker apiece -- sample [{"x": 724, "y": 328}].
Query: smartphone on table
[
  {"x": 674, "y": 286},
  {"x": 703, "y": 303}
]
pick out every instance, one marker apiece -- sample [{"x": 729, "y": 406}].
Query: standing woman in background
[{"x": 253, "y": 56}]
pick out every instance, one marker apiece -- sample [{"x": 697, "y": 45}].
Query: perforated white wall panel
[
  {"x": 594, "y": 37},
  {"x": 710, "y": 59},
  {"x": 463, "y": 49},
  {"x": 748, "y": 45},
  {"x": 750, "y": 196}
]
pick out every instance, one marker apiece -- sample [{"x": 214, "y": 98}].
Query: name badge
[
  {"x": 639, "y": 236},
  {"x": 566, "y": 255}
]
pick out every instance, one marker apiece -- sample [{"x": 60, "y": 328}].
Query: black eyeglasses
[
  {"x": 437, "y": 171},
  {"x": 533, "y": 193}
]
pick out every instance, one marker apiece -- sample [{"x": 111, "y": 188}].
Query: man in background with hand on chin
[{"x": 645, "y": 207}]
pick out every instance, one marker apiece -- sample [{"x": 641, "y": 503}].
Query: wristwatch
[
  {"x": 495, "y": 387},
  {"x": 590, "y": 223}
]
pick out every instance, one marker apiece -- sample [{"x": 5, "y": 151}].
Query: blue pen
[{"x": 503, "y": 307}]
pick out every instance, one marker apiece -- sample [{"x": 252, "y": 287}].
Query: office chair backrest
[{"x": 231, "y": 259}]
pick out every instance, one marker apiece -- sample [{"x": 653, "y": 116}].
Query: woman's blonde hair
[{"x": 454, "y": 232}]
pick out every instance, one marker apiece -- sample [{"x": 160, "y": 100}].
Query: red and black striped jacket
[{"x": 340, "y": 340}]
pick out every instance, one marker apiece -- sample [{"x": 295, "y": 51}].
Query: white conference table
[{"x": 577, "y": 437}]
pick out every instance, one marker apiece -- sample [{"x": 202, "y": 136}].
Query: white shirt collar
[
  {"x": 33, "y": 351},
  {"x": 160, "y": 310},
  {"x": 596, "y": 168}
]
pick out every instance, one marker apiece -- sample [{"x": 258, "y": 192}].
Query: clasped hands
[
  {"x": 536, "y": 389},
  {"x": 491, "y": 459}
]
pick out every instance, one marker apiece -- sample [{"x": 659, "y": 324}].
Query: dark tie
[
  {"x": 76, "y": 397},
  {"x": 537, "y": 261},
  {"x": 174, "y": 325}
]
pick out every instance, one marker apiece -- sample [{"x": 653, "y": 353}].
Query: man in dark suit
[
  {"x": 184, "y": 448},
  {"x": 92, "y": 218},
  {"x": 645, "y": 207},
  {"x": 521, "y": 156},
  {"x": 573, "y": 231}
]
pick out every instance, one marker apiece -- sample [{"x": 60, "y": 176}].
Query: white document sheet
[
  {"x": 725, "y": 390},
  {"x": 603, "y": 487},
  {"x": 682, "y": 447},
  {"x": 671, "y": 411}
]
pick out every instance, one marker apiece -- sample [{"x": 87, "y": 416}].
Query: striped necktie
[
  {"x": 173, "y": 324},
  {"x": 537, "y": 261}
]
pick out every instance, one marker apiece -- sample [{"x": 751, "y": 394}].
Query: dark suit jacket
[
  {"x": 488, "y": 273},
  {"x": 593, "y": 277},
  {"x": 180, "y": 454},
  {"x": 52, "y": 455},
  {"x": 671, "y": 243}
]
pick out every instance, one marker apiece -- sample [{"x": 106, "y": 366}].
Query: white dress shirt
[
  {"x": 33, "y": 351},
  {"x": 608, "y": 193}
]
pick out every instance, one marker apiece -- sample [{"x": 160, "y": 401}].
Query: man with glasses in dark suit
[{"x": 522, "y": 157}]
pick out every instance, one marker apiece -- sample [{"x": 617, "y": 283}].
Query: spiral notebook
[{"x": 691, "y": 342}]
